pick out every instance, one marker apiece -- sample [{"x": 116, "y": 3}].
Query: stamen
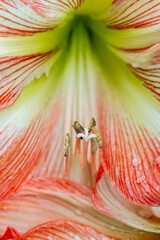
[
  {"x": 66, "y": 167},
  {"x": 94, "y": 164},
  {"x": 99, "y": 138},
  {"x": 83, "y": 156},
  {"x": 78, "y": 128},
  {"x": 92, "y": 124},
  {"x": 87, "y": 134},
  {"x": 67, "y": 145},
  {"x": 86, "y": 131},
  {"x": 94, "y": 145},
  {"x": 77, "y": 148},
  {"x": 91, "y": 136}
]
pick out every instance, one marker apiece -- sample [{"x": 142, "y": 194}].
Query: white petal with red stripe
[
  {"x": 110, "y": 202},
  {"x": 19, "y": 19},
  {"x": 54, "y": 8},
  {"x": 134, "y": 14},
  {"x": 23, "y": 129},
  {"x": 130, "y": 123},
  {"x": 17, "y": 72},
  {"x": 133, "y": 24},
  {"x": 43, "y": 200},
  {"x": 145, "y": 64},
  {"x": 65, "y": 230}
]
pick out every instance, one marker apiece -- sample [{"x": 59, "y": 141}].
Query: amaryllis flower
[{"x": 79, "y": 119}]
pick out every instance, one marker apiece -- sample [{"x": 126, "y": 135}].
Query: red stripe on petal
[
  {"x": 130, "y": 151},
  {"x": 134, "y": 14},
  {"x": 17, "y": 72},
  {"x": 145, "y": 64},
  {"x": 110, "y": 202},
  {"x": 51, "y": 8},
  {"x": 129, "y": 120},
  {"x": 64, "y": 230},
  {"x": 23, "y": 131},
  {"x": 18, "y": 18},
  {"x": 10, "y": 233},
  {"x": 50, "y": 199},
  {"x": 149, "y": 70}
]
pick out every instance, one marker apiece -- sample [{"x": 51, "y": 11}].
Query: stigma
[
  {"x": 86, "y": 136},
  {"x": 88, "y": 143}
]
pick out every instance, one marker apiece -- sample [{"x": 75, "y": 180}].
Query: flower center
[
  {"x": 82, "y": 145},
  {"x": 87, "y": 134}
]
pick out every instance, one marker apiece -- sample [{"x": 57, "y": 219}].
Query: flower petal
[
  {"x": 134, "y": 152},
  {"x": 78, "y": 104},
  {"x": 145, "y": 64},
  {"x": 25, "y": 58},
  {"x": 35, "y": 44},
  {"x": 17, "y": 72},
  {"x": 95, "y": 8},
  {"x": 138, "y": 38},
  {"x": 25, "y": 52},
  {"x": 10, "y": 233},
  {"x": 54, "y": 8},
  {"x": 110, "y": 202},
  {"x": 23, "y": 128},
  {"x": 43, "y": 200},
  {"x": 65, "y": 230},
  {"x": 130, "y": 119},
  {"x": 133, "y": 24},
  {"x": 134, "y": 14},
  {"x": 18, "y": 19}
]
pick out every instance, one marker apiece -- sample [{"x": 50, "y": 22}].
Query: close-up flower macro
[{"x": 80, "y": 119}]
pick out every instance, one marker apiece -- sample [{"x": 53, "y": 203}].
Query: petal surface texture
[
  {"x": 64, "y": 230},
  {"x": 23, "y": 130},
  {"x": 118, "y": 85},
  {"x": 130, "y": 132},
  {"x": 10, "y": 233},
  {"x": 43, "y": 200},
  {"x": 17, "y": 72},
  {"x": 133, "y": 24},
  {"x": 25, "y": 50},
  {"x": 54, "y": 9},
  {"x": 18, "y": 19},
  {"x": 134, "y": 14},
  {"x": 114, "y": 205}
]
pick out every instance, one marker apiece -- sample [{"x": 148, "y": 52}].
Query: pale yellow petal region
[
  {"x": 28, "y": 45},
  {"x": 95, "y": 7},
  {"x": 132, "y": 38}
]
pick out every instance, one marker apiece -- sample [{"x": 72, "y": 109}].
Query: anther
[
  {"x": 77, "y": 127},
  {"x": 94, "y": 145},
  {"x": 87, "y": 134},
  {"x": 99, "y": 138},
  {"x": 67, "y": 145},
  {"x": 92, "y": 124}
]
